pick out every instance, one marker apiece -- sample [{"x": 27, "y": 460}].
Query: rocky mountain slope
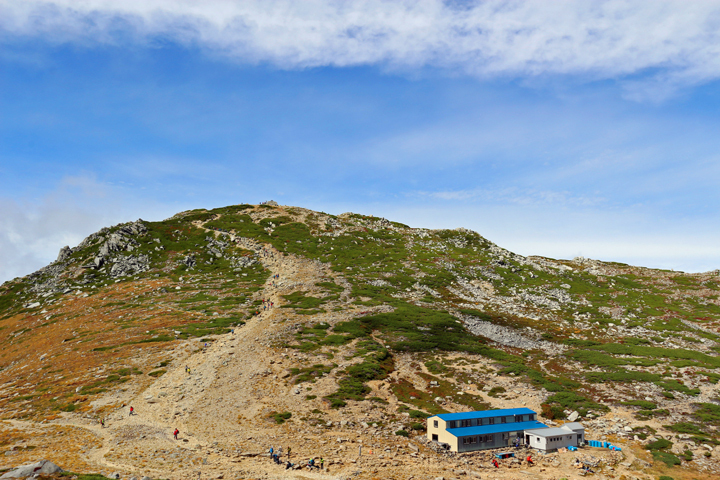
[{"x": 253, "y": 326}]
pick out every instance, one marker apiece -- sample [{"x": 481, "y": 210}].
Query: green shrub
[
  {"x": 418, "y": 414},
  {"x": 157, "y": 373},
  {"x": 496, "y": 391},
  {"x": 659, "y": 444},
  {"x": 552, "y": 412},
  {"x": 435, "y": 367},
  {"x": 667, "y": 458},
  {"x": 708, "y": 413},
  {"x": 685, "y": 427},
  {"x": 376, "y": 366},
  {"x": 402, "y": 433},
  {"x": 665, "y": 477},
  {"x": 645, "y": 405},
  {"x": 280, "y": 417},
  {"x": 574, "y": 401},
  {"x": 417, "y": 426}
]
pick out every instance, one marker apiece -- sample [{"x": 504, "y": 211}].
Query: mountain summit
[{"x": 252, "y": 326}]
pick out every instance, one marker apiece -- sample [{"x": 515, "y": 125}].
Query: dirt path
[{"x": 219, "y": 407}]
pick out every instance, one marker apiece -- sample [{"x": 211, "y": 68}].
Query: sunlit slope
[{"x": 585, "y": 333}]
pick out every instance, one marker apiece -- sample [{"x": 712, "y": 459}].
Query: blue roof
[
  {"x": 499, "y": 428},
  {"x": 484, "y": 414}
]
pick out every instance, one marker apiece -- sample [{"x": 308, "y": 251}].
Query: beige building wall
[{"x": 441, "y": 431}]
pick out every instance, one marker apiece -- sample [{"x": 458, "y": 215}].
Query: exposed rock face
[
  {"x": 129, "y": 265},
  {"x": 508, "y": 336},
  {"x": 65, "y": 252},
  {"x": 122, "y": 239},
  {"x": 42, "y": 467}
]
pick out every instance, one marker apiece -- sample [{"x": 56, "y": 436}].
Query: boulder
[
  {"x": 42, "y": 467},
  {"x": 573, "y": 416}
]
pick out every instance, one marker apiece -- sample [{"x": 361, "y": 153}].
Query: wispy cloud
[
  {"x": 677, "y": 41},
  {"x": 514, "y": 196},
  {"x": 32, "y": 232}
]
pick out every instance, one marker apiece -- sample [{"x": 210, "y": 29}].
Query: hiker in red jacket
[
  {"x": 132, "y": 411},
  {"x": 495, "y": 462},
  {"x": 529, "y": 460},
  {"x": 175, "y": 433}
]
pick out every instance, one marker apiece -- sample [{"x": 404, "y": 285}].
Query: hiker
[
  {"x": 529, "y": 460},
  {"x": 175, "y": 433},
  {"x": 102, "y": 423},
  {"x": 322, "y": 464},
  {"x": 289, "y": 465},
  {"x": 132, "y": 411},
  {"x": 279, "y": 451},
  {"x": 311, "y": 463},
  {"x": 272, "y": 450},
  {"x": 276, "y": 458},
  {"x": 288, "y": 452},
  {"x": 495, "y": 462}
]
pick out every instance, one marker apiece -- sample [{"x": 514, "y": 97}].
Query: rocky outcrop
[
  {"x": 43, "y": 467},
  {"x": 129, "y": 265},
  {"x": 64, "y": 254},
  {"x": 189, "y": 261}
]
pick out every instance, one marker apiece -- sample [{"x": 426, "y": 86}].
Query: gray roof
[
  {"x": 573, "y": 426},
  {"x": 549, "y": 432}
]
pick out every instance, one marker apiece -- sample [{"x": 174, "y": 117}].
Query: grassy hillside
[{"x": 587, "y": 335}]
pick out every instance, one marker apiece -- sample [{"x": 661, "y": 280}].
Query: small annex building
[
  {"x": 549, "y": 439},
  {"x": 480, "y": 430}
]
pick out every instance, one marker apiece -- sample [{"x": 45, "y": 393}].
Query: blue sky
[{"x": 595, "y": 135}]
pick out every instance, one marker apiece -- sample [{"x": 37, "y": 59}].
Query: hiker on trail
[
  {"x": 311, "y": 463},
  {"x": 279, "y": 451},
  {"x": 495, "y": 462},
  {"x": 276, "y": 458},
  {"x": 322, "y": 464},
  {"x": 175, "y": 433},
  {"x": 272, "y": 450},
  {"x": 288, "y": 452},
  {"x": 289, "y": 465},
  {"x": 132, "y": 411},
  {"x": 529, "y": 460},
  {"x": 102, "y": 423}
]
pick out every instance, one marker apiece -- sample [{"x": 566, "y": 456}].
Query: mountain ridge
[{"x": 374, "y": 318}]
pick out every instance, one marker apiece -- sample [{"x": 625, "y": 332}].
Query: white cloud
[
  {"x": 677, "y": 40},
  {"x": 32, "y": 233},
  {"x": 515, "y": 196}
]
